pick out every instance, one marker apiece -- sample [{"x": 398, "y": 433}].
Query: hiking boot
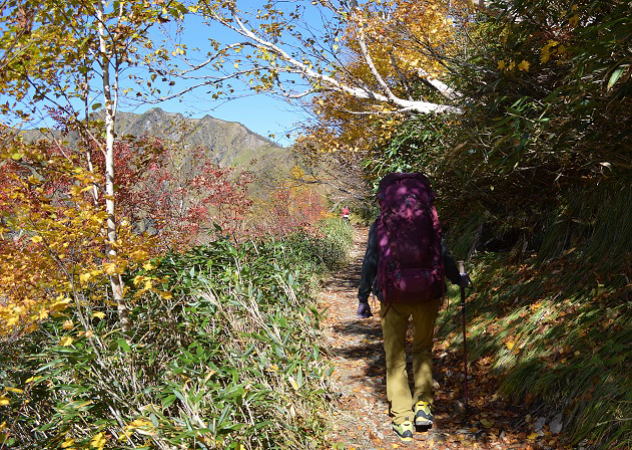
[
  {"x": 423, "y": 414},
  {"x": 404, "y": 430}
]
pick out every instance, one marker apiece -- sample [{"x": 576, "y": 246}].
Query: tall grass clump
[
  {"x": 558, "y": 337},
  {"x": 327, "y": 248},
  {"x": 224, "y": 352}
]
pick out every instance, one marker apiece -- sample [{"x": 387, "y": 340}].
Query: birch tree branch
[{"x": 316, "y": 77}]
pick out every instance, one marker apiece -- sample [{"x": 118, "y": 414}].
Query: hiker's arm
[
  {"x": 369, "y": 266},
  {"x": 451, "y": 271}
]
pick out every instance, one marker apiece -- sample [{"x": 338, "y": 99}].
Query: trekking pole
[{"x": 463, "y": 276}]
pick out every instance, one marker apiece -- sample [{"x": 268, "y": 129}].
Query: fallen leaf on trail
[
  {"x": 533, "y": 436},
  {"x": 510, "y": 344},
  {"x": 486, "y": 423}
]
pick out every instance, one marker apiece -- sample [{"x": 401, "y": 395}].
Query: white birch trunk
[{"x": 110, "y": 116}]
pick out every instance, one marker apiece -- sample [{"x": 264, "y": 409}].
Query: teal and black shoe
[
  {"x": 423, "y": 414},
  {"x": 404, "y": 430}
]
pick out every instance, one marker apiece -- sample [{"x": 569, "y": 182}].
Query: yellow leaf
[
  {"x": 34, "y": 180},
  {"x": 16, "y": 390},
  {"x": 67, "y": 443},
  {"x": 32, "y": 379},
  {"x": 140, "y": 423},
  {"x": 209, "y": 375},
  {"x": 524, "y": 65},
  {"x": 293, "y": 383},
  {"x": 139, "y": 255},
  {"x": 67, "y": 325},
  {"x": 510, "y": 344},
  {"x": 533, "y": 436},
  {"x": 98, "y": 441},
  {"x": 148, "y": 266},
  {"x": 60, "y": 304},
  {"x": 501, "y": 64},
  {"x": 66, "y": 341},
  {"x": 4, "y": 401},
  {"x": 125, "y": 435},
  {"x": 109, "y": 268},
  {"x": 98, "y": 315},
  {"x": 84, "y": 277},
  {"x": 37, "y": 239},
  {"x": 88, "y": 334}
]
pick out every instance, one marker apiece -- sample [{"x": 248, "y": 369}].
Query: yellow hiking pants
[{"x": 394, "y": 328}]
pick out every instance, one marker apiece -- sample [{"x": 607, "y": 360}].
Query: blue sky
[{"x": 265, "y": 114}]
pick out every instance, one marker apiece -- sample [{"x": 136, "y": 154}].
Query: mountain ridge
[{"x": 227, "y": 143}]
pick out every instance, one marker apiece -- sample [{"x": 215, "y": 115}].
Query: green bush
[
  {"x": 327, "y": 250},
  {"x": 230, "y": 358}
]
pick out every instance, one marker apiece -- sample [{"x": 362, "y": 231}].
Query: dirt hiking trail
[{"x": 361, "y": 417}]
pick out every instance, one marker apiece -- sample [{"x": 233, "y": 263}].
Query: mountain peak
[{"x": 228, "y": 143}]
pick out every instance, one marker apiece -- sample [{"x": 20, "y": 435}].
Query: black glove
[
  {"x": 465, "y": 281},
  {"x": 364, "y": 310}
]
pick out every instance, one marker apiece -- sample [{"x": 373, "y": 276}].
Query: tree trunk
[{"x": 116, "y": 282}]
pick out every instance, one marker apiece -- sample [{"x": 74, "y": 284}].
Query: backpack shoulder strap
[{"x": 437, "y": 234}]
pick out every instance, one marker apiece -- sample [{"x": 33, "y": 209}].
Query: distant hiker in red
[
  {"x": 404, "y": 265},
  {"x": 345, "y": 213}
]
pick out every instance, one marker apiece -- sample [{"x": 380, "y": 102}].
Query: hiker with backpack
[
  {"x": 405, "y": 265},
  {"x": 344, "y": 213}
]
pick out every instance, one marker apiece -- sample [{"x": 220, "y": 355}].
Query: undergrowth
[
  {"x": 558, "y": 336},
  {"x": 230, "y": 358}
]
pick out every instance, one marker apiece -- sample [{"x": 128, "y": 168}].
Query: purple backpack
[{"x": 410, "y": 268}]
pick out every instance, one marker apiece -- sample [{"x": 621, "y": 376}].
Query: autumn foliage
[
  {"x": 395, "y": 47},
  {"x": 53, "y": 250},
  {"x": 166, "y": 192},
  {"x": 294, "y": 205}
]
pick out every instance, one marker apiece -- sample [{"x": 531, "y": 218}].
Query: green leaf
[
  {"x": 168, "y": 401},
  {"x": 616, "y": 74},
  {"x": 122, "y": 343},
  {"x": 96, "y": 106}
]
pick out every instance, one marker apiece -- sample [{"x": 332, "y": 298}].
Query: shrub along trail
[{"x": 361, "y": 419}]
